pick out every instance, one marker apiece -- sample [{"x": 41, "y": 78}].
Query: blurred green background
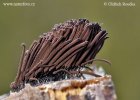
[{"x": 24, "y": 24}]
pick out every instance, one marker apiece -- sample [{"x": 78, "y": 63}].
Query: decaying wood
[{"x": 99, "y": 88}]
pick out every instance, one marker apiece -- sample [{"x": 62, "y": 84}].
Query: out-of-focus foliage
[{"x": 24, "y": 24}]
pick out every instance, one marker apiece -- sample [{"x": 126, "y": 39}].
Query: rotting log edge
[{"x": 99, "y": 88}]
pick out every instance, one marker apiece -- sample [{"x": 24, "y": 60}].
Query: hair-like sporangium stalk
[{"x": 66, "y": 49}]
